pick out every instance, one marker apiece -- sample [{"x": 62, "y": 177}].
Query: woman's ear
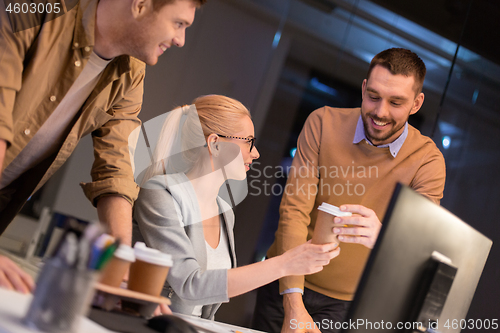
[{"x": 213, "y": 145}]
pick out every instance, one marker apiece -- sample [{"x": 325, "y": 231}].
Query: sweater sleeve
[
  {"x": 300, "y": 194},
  {"x": 162, "y": 226},
  {"x": 430, "y": 177}
]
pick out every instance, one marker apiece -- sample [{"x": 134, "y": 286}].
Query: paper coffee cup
[
  {"x": 323, "y": 232},
  {"x": 115, "y": 270},
  {"x": 149, "y": 272}
]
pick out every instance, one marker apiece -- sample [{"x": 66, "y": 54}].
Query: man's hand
[
  {"x": 364, "y": 226},
  {"x": 14, "y": 278},
  {"x": 297, "y": 319}
]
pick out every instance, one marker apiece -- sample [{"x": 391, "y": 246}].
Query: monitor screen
[{"x": 413, "y": 229}]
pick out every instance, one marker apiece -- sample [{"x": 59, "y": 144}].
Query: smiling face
[
  {"x": 388, "y": 101},
  {"x": 156, "y": 31}
]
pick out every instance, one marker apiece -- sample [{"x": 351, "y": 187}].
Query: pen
[
  {"x": 107, "y": 254},
  {"x": 67, "y": 252},
  {"x": 91, "y": 233},
  {"x": 71, "y": 249},
  {"x": 98, "y": 247}
]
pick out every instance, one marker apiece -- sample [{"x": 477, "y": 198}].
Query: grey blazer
[{"x": 169, "y": 220}]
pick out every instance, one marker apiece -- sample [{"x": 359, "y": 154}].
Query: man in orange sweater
[{"x": 350, "y": 158}]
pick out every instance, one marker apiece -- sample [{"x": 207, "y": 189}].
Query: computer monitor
[{"x": 397, "y": 271}]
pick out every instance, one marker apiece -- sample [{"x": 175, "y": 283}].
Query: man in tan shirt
[
  {"x": 66, "y": 75},
  {"x": 351, "y": 158}
]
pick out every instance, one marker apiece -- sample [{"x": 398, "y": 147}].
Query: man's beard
[{"x": 373, "y": 136}]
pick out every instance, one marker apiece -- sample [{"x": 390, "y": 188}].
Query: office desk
[
  {"x": 13, "y": 307},
  {"x": 214, "y": 326}
]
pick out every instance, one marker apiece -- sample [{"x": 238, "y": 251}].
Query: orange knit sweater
[{"x": 328, "y": 167}]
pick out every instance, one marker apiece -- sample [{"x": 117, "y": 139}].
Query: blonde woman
[{"x": 179, "y": 210}]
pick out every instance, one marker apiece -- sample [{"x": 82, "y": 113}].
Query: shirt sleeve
[
  {"x": 112, "y": 172},
  {"x": 300, "y": 194},
  {"x": 292, "y": 290},
  {"x": 162, "y": 226},
  {"x": 13, "y": 47}
]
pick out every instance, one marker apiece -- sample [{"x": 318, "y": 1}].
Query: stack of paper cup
[{"x": 323, "y": 230}]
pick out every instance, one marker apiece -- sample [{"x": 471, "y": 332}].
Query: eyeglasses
[{"x": 251, "y": 141}]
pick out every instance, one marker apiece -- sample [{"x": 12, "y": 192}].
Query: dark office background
[
  {"x": 461, "y": 111},
  {"x": 284, "y": 58}
]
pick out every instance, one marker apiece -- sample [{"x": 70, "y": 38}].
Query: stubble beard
[{"x": 373, "y": 137}]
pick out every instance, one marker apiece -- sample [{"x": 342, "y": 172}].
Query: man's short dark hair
[
  {"x": 401, "y": 61},
  {"x": 158, "y": 4}
]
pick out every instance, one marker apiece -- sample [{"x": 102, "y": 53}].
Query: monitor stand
[{"x": 432, "y": 292}]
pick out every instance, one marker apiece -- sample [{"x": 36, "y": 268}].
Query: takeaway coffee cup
[
  {"x": 149, "y": 271},
  {"x": 114, "y": 271},
  {"x": 323, "y": 232}
]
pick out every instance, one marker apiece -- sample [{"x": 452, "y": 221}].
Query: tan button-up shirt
[{"x": 38, "y": 66}]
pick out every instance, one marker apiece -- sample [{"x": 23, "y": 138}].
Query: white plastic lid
[
  {"x": 139, "y": 245},
  {"x": 332, "y": 210},
  {"x": 125, "y": 252},
  {"x": 152, "y": 256}
]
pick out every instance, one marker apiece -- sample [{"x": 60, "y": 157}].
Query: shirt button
[
  {"x": 87, "y": 49},
  {"x": 77, "y": 63},
  {"x": 27, "y": 131},
  {"x": 53, "y": 98},
  {"x": 76, "y": 44}
]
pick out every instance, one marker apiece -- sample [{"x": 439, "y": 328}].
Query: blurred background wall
[{"x": 285, "y": 58}]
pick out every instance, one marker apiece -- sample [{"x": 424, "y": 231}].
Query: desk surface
[
  {"x": 13, "y": 307},
  {"x": 214, "y": 326}
]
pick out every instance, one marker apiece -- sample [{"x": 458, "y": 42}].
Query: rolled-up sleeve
[{"x": 112, "y": 172}]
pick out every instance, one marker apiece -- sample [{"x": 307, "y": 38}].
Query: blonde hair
[
  {"x": 220, "y": 114},
  {"x": 181, "y": 135}
]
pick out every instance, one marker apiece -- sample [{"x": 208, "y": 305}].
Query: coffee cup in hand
[{"x": 323, "y": 230}]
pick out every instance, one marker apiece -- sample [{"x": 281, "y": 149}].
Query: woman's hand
[
  {"x": 161, "y": 310},
  {"x": 308, "y": 258},
  {"x": 302, "y": 260}
]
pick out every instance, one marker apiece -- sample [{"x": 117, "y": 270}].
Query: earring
[{"x": 215, "y": 150}]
